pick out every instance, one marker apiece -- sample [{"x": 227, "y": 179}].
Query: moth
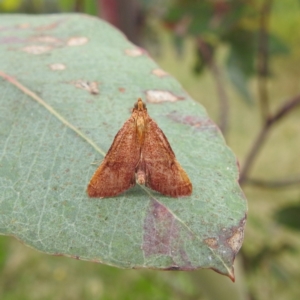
[{"x": 140, "y": 153}]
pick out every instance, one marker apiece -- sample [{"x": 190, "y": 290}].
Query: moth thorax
[
  {"x": 140, "y": 177},
  {"x": 140, "y": 125}
]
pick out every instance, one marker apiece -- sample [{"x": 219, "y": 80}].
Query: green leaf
[
  {"x": 238, "y": 76},
  {"x": 289, "y": 216},
  {"x": 242, "y": 48},
  {"x": 54, "y": 125},
  {"x": 240, "y": 61},
  {"x": 277, "y": 46}
]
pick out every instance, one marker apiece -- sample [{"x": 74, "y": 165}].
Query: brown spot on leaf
[
  {"x": 122, "y": 90},
  {"x": 77, "y": 41},
  {"x": 11, "y": 40},
  {"x": 48, "y": 26},
  {"x": 162, "y": 236},
  {"x": 211, "y": 243},
  {"x": 90, "y": 86},
  {"x": 23, "y": 26},
  {"x": 57, "y": 67},
  {"x": 45, "y": 39},
  {"x": 191, "y": 120},
  {"x": 230, "y": 240},
  {"x": 36, "y": 49},
  {"x": 157, "y": 96},
  {"x": 159, "y": 73},
  {"x": 200, "y": 123},
  {"x": 237, "y": 236},
  {"x": 135, "y": 52}
]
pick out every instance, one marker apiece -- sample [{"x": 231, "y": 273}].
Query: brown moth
[{"x": 140, "y": 153}]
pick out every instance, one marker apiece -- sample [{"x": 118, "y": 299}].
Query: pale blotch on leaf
[
  {"x": 46, "y": 39},
  {"x": 90, "y": 86},
  {"x": 236, "y": 240},
  {"x": 134, "y": 52},
  {"x": 157, "y": 96},
  {"x": 211, "y": 243},
  {"x": 77, "y": 41},
  {"x": 23, "y": 26},
  {"x": 57, "y": 67},
  {"x": 160, "y": 73},
  {"x": 36, "y": 49}
]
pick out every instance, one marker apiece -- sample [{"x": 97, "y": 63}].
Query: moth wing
[
  {"x": 163, "y": 172},
  {"x": 116, "y": 173}
]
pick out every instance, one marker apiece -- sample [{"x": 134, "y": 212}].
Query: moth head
[{"x": 140, "y": 105}]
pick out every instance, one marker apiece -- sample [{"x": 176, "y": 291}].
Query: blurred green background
[{"x": 240, "y": 59}]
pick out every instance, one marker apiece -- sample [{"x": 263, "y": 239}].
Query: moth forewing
[{"x": 140, "y": 153}]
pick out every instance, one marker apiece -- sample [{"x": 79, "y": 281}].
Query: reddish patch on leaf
[
  {"x": 200, "y": 123},
  {"x": 11, "y": 40},
  {"x": 122, "y": 90},
  {"x": 162, "y": 236},
  {"x": 15, "y": 27},
  {"x": 49, "y": 26},
  {"x": 159, "y": 231}
]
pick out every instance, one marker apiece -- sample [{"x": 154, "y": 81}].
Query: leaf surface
[{"x": 79, "y": 80}]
